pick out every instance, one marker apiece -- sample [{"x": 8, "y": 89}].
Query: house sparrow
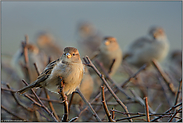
[
  {"x": 34, "y": 56},
  {"x": 144, "y": 49},
  {"x": 89, "y": 38},
  {"x": 109, "y": 54},
  {"x": 175, "y": 64},
  {"x": 47, "y": 45},
  {"x": 69, "y": 67}
]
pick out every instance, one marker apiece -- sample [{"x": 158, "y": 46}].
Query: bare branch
[
  {"x": 89, "y": 63},
  {"x": 64, "y": 99},
  {"x": 133, "y": 76},
  {"x": 178, "y": 91},
  {"x": 8, "y": 111},
  {"x": 164, "y": 76},
  {"x": 89, "y": 105},
  {"x": 41, "y": 103},
  {"x": 167, "y": 112},
  {"x": 105, "y": 105},
  {"x": 147, "y": 109},
  {"x": 170, "y": 120}
]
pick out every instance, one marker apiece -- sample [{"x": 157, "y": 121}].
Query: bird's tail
[{"x": 21, "y": 91}]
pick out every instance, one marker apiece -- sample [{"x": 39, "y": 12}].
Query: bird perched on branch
[
  {"x": 69, "y": 67},
  {"x": 89, "y": 38},
  {"x": 144, "y": 49},
  {"x": 46, "y": 43},
  {"x": 109, "y": 55}
]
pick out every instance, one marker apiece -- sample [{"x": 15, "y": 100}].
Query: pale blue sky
[{"x": 126, "y": 21}]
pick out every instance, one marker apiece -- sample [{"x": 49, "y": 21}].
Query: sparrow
[
  {"x": 34, "y": 56},
  {"x": 175, "y": 64},
  {"x": 69, "y": 67},
  {"x": 89, "y": 38},
  {"x": 46, "y": 43},
  {"x": 176, "y": 58},
  {"x": 144, "y": 49},
  {"x": 109, "y": 55}
]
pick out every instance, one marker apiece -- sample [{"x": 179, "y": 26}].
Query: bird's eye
[
  {"x": 73, "y": 54},
  {"x": 64, "y": 54}
]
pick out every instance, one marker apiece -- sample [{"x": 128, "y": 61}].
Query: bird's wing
[
  {"x": 95, "y": 54},
  {"x": 47, "y": 71},
  {"x": 41, "y": 78},
  {"x": 141, "y": 42}
]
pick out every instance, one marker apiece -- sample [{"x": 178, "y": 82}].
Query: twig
[
  {"x": 26, "y": 58},
  {"x": 178, "y": 91},
  {"x": 112, "y": 81},
  {"x": 74, "y": 119},
  {"x": 133, "y": 76},
  {"x": 47, "y": 96},
  {"x": 12, "y": 113},
  {"x": 64, "y": 99},
  {"x": 113, "y": 113},
  {"x": 138, "y": 113},
  {"x": 166, "y": 112},
  {"x": 110, "y": 68},
  {"x": 51, "y": 105},
  {"x": 70, "y": 102},
  {"x": 6, "y": 89},
  {"x": 164, "y": 92},
  {"x": 17, "y": 101},
  {"x": 164, "y": 76},
  {"x": 147, "y": 109},
  {"x": 36, "y": 69},
  {"x": 90, "y": 64},
  {"x": 170, "y": 120},
  {"x": 41, "y": 104},
  {"x": 139, "y": 99},
  {"x": 105, "y": 105},
  {"x": 89, "y": 105},
  {"x": 46, "y": 99}
]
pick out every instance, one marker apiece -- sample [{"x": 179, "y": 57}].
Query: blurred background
[{"x": 126, "y": 21}]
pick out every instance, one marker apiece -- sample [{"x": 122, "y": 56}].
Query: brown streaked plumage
[{"x": 69, "y": 67}]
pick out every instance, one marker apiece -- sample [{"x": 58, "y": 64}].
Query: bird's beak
[
  {"x": 68, "y": 55},
  {"x": 107, "y": 42},
  {"x": 155, "y": 35}
]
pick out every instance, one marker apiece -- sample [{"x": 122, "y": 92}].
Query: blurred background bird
[
  {"x": 86, "y": 87},
  {"x": 34, "y": 56},
  {"x": 47, "y": 44},
  {"x": 89, "y": 38},
  {"x": 144, "y": 49},
  {"x": 175, "y": 64},
  {"x": 109, "y": 56}
]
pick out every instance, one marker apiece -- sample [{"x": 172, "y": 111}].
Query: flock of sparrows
[{"x": 67, "y": 64}]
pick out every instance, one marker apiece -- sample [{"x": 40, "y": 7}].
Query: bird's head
[
  {"x": 71, "y": 54},
  {"x": 109, "y": 43}
]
